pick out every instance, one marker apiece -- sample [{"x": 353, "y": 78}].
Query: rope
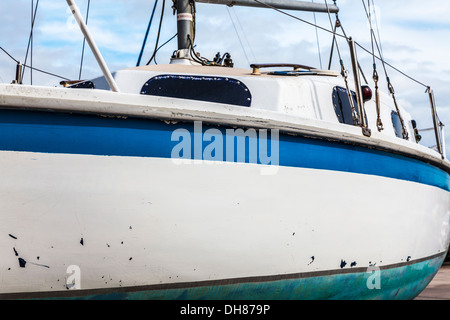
[
  {"x": 194, "y": 56},
  {"x": 164, "y": 45}
]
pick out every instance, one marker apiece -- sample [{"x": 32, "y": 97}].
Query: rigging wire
[
  {"x": 7, "y": 53},
  {"x": 373, "y": 37},
  {"x": 245, "y": 36},
  {"x": 30, "y": 50},
  {"x": 146, "y": 34},
  {"x": 31, "y": 55},
  {"x": 376, "y": 24},
  {"x": 46, "y": 72},
  {"x": 84, "y": 40},
  {"x": 159, "y": 32},
  {"x": 32, "y": 68},
  {"x": 237, "y": 33},
  {"x": 381, "y": 58},
  {"x": 389, "y": 84},
  {"x": 394, "y": 68},
  {"x": 344, "y": 72},
  {"x": 318, "y": 27},
  {"x": 297, "y": 18},
  {"x": 317, "y": 38},
  {"x": 336, "y": 25},
  {"x": 342, "y": 36},
  {"x": 375, "y": 76},
  {"x": 30, "y": 38}
]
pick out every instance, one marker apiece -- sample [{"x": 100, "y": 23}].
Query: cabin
[{"x": 315, "y": 95}]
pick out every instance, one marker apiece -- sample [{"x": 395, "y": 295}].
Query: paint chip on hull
[
  {"x": 40, "y": 265},
  {"x": 22, "y": 263}
]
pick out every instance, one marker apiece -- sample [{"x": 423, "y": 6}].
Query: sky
[{"x": 414, "y": 37}]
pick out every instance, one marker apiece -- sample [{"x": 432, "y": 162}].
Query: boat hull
[
  {"x": 399, "y": 282},
  {"x": 97, "y": 207}
]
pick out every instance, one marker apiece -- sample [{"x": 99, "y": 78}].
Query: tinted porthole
[
  {"x": 342, "y": 105},
  {"x": 397, "y": 124},
  {"x": 210, "y": 89},
  {"x": 343, "y": 108}
]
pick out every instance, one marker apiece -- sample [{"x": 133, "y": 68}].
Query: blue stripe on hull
[
  {"x": 398, "y": 283},
  {"x": 94, "y": 135}
]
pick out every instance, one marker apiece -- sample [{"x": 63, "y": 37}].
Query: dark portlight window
[
  {"x": 210, "y": 89},
  {"x": 397, "y": 124},
  {"x": 342, "y": 105}
]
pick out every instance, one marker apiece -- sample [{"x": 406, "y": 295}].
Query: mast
[
  {"x": 186, "y": 18},
  {"x": 185, "y": 23}
]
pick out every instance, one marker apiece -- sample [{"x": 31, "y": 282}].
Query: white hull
[{"x": 149, "y": 221}]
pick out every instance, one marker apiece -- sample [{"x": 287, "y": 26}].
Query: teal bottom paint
[{"x": 402, "y": 282}]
